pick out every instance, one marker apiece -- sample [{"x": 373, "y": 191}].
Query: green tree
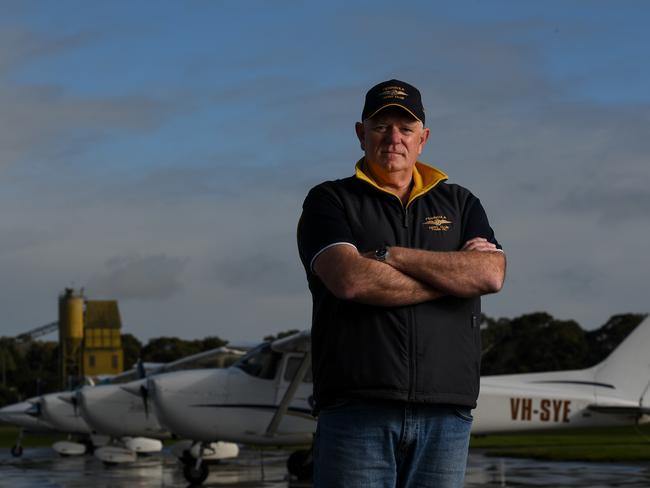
[
  {"x": 212, "y": 342},
  {"x": 280, "y": 335},
  {"x": 167, "y": 349},
  {"x": 533, "y": 342},
  {"x": 604, "y": 340},
  {"x": 131, "y": 347}
]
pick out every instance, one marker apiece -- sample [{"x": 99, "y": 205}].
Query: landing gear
[
  {"x": 195, "y": 469},
  {"x": 17, "y": 448},
  {"x": 195, "y": 472},
  {"x": 301, "y": 464}
]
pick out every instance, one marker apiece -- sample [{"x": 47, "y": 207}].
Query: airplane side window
[
  {"x": 261, "y": 363},
  {"x": 292, "y": 368}
]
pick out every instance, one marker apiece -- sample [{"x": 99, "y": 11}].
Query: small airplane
[
  {"x": 121, "y": 411},
  {"x": 57, "y": 412},
  {"x": 265, "y": 398},
  {"x": 17, "y": 415}
]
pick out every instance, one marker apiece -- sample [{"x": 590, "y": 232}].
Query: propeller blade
[
  {"x": 142, "y": 373},
  {"x": 75, "y": 406},
  {"x": 144, "y": 393}
]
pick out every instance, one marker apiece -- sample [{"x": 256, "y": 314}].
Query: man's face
[{"x": 392, "y": 140}]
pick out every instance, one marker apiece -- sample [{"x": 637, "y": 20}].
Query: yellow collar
[{"x": 425, "y": 178}]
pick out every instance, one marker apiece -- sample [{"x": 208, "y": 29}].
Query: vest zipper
[
  {"x": 412, "y": 339},
  {"x": 411, "y": 326}
]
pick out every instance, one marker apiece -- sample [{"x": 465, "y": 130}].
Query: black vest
[{"x": 425, "y": 353}]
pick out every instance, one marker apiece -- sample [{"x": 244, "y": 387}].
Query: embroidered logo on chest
[{"x": 437, "y": 223}]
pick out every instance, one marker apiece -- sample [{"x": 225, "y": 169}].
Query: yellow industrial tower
[
  {"x": 71, "y": 334},
  {"x": 90, "y": 341},
  {"x": 102, "y": 352}
]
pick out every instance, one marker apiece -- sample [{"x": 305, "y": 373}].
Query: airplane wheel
[
  {"x": 301, "y": 464},
  {"x": 90, "y": 447},
  {"x": 17, "y": 451},
  {"x": 194, "y": 475}
]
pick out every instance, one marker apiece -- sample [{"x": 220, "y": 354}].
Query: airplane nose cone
[
  {"x": 26, "y": 415},
  {"x": 185, "y": 401},
  {"x": 61, "y": 413},
  {"x": 8, "y": 413}
]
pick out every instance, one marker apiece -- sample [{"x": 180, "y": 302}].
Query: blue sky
[{"x": 159, "y": 152}]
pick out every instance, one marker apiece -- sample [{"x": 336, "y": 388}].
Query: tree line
[{"x": 529, "y": 343}]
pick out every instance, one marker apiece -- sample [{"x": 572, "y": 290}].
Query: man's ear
[
  {"x": 423, "y": 139},
  {"x": 361, "y": 134}
]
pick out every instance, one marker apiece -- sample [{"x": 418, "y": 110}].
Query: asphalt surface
[{"x": 44, "y": 468}]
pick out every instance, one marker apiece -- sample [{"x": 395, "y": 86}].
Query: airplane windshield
[{"x": 261, "y": 362}]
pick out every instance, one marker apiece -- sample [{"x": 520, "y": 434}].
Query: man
[{"x": 396, "y": 261}]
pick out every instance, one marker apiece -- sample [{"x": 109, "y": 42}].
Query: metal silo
[{"x": 71, "y": 333}]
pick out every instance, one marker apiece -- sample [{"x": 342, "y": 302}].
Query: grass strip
[
  {"x": 9, "y": 434},
  {"x": 606, "y": 444}
]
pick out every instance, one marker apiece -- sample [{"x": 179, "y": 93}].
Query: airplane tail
[{"x": 627, "y": 368}]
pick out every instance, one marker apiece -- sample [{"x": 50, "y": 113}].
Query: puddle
[
  {"x": 510, "y": 472},
  {"x": 44, "y": 468}
]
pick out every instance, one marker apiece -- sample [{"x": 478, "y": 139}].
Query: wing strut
[{"x": 289, "y": 394}]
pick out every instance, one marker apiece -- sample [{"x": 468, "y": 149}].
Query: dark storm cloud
[
  {"x": 258, "y": 272},
  {"x": 45, "y": 123},
  {"x": 155, "y": 277},
  {"x": 550, "y": 164}
]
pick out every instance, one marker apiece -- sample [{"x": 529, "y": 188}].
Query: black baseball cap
[{"x": 393, "y": 93}]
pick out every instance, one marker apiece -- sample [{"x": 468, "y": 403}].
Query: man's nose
[{"x": 393, "y": 134}]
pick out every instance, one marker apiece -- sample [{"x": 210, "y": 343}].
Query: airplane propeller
[
  {"x": 75, "y": 405},
  {"x": 34, "y": 410},
  {"x": 144, "y": 393},
  {"x": 142, "y": 372}
]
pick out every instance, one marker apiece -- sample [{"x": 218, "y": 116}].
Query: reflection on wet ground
[
  {"x": 43, "y": 468},
  {"x": 491, "y": 472}
]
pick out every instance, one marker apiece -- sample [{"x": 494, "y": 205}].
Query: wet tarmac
[{"x": 43, "y": 468}]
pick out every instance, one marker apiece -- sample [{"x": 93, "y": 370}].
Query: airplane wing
[
  {"x": 200, "y": 360},
  {"x": 133, "y": 387},
  {"x": 67, "y": 397},
  {"x": 298, "y": 342}
]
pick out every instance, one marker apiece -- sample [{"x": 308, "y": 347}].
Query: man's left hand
[{"x": 479, "y": 244}]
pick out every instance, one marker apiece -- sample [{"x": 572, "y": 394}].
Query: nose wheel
[
  {"x": 17, "y": 448},
  {"x": 301, "y": 464},
  {"x": 195, "y": 472}
]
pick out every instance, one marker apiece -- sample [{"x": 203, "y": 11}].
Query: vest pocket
[{"x": 476, "y": 330}]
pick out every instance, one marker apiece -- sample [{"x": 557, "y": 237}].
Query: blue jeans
[{"x": 379, "y": 444}]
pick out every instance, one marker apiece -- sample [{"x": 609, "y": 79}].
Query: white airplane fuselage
[
  {"x": 230, "y": 405},
  {"x": 237, "y": 404},
  {"x": 543, "y": 401},
  {"x": 113, "y": 411},
  {"x": 62, "y": 414}
]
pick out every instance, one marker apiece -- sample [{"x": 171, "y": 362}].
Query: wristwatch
[{"x": 381, "y": 254}]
